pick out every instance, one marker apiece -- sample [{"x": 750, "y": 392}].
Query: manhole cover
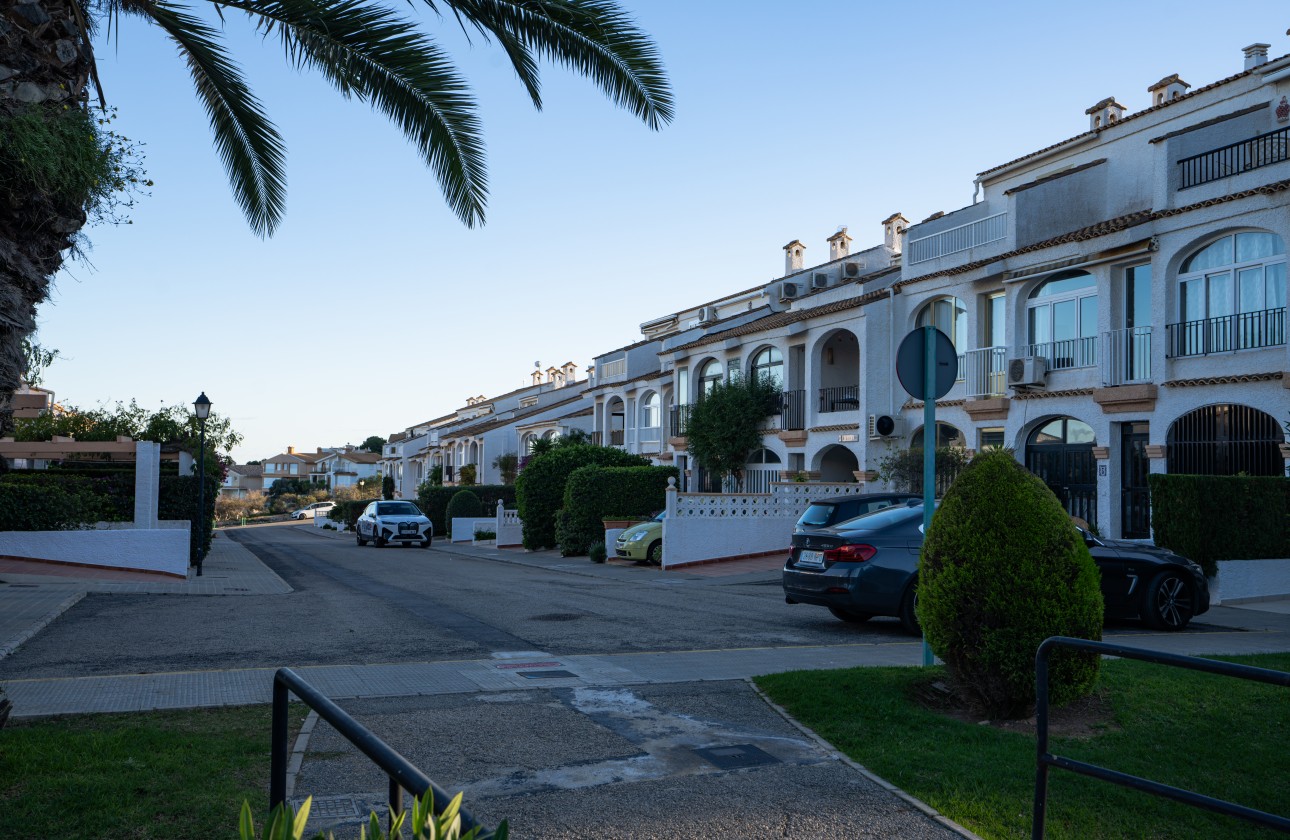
[
  {"x": 736, "y": 757},
  {"x": 330, "y": 807},
  {"x": 556, "y": 617},
  {"x": 548, "y": 675}
]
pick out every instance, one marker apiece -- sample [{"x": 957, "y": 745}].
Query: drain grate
[
  {"x": 736, "y": 757},
  {"x": 548, "y": 675},
  {"x": 331, "y": 807}
]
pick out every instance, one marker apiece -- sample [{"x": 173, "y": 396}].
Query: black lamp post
[{"x": 202, "y": 408}]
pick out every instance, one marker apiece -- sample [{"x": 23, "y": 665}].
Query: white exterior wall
[{"x": 161, "y": 549}]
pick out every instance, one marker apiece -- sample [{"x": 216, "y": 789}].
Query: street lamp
[{"x": 202, "y": 408}]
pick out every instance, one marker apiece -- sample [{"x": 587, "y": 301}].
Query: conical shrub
[{"x": 1002, "y": 569}]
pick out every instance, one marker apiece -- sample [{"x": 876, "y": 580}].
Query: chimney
[
  {"x": 793, "y": 252},
  {"x": 1105, "y": 113},
  {"x": 839, "y": 243},
  {"x": 570, "y": 372},
  {"x": 291, "y": 450},
  {"x": 537, "y": 376},
  {"x": 1167, "y": 90},
  {"x": 1255, "y": 54},
  {"x": 893, "y": 227}
]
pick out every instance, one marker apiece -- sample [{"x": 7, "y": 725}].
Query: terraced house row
[{"x": 1117, "y": 301}]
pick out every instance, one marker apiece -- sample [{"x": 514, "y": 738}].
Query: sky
[{"x": 373, "y": 308}]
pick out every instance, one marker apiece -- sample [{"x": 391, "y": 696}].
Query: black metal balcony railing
[
  {"x": 1068, "y": 353},
  {"x": 841, "y": 398},
  {"x": 792, "y": 415},
  {"x": 1233, "y": 159},
  {"x": 680, "y": 417},
  {"x": 1243, "y": 331}
]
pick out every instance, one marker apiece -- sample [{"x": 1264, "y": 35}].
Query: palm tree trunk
[{"x": 45, "y": 62}]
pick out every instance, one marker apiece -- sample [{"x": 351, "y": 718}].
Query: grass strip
[
  {"x": 1219, "y": 736},
  {"x": 170, "y": 775}
]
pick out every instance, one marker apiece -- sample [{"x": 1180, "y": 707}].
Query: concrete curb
[
  {"x": 13, "y": 644},
  {"x": 868, "y": 774},
  {"x": 298, "y": 751}
]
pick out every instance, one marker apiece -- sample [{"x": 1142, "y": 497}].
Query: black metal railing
[
  {"x": 1235, "y": 158},
  {"x": 680, "y": 417},
  {"x": 1187, "y": 797},
  {"x": 793, "y": 411},
  {"x": 1243, "y": 331},
  {"x": 842, "y": 398},
  {"x": 402, "y": 774}
]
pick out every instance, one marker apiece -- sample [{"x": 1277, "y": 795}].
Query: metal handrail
[
  {"x": 402, "y": 773},
  {"x": 1235, "y": 158},
  {"x": 1187, "y": 797}
]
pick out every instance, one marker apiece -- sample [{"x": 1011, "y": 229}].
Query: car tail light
[{"x": 850, "y": 554}]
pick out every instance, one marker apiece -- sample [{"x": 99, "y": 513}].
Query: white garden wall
[
  {"x": 1250, "y": 580},
  {"x": 163, "y": 549}
]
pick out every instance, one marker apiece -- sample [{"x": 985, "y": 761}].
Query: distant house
[
  {"x": 291, "y": 464},
  {"x": 345, "y": 467},
  {"x": 243, "y": 479}
]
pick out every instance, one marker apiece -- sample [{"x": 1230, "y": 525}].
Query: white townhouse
[{"x": 346, "y": 466}]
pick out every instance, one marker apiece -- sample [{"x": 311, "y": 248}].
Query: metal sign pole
[{"x": 929, "y": 444}]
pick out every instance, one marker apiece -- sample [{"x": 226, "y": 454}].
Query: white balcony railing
[
  {"x": 649, "y": 435},
  {"x": 612, "y": 371},
  {"x": 1067, "y": 353},
  {"x": 961, "y": 238},
  {"x": 1126, "y": 356},
  {"x": 983, "y": 372}
]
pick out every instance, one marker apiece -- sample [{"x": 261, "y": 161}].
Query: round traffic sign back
[{"x": 911, "y": 363}]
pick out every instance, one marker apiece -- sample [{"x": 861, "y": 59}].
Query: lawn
[
  {"x": 1218, "y": 736},
  {"x": 170, "y": 775}
]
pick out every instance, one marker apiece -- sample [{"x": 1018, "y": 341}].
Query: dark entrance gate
[
  {"x": 1225, "y": 439},
  {"x": 1060, "y": 452},
  {"x": 1135, "y": 498}
]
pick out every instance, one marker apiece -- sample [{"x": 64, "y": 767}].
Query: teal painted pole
[{"x": 929, "y": 442}]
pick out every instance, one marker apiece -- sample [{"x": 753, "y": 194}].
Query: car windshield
[
  {"x": 397, "y": 509},
  {"x": 816, "y": 514}
]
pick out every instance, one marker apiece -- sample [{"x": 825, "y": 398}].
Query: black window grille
[{"x": 1225, "y": 439}]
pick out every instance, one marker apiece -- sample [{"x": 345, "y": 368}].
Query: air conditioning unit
[
  {"x": 707, "y": 314},
  {"x": 885, "y": 426},
  {"x": 819, "y": 281},
  {"x": 852, "y": 270},
  {"x": 789, "y": 291},
  {"x": 1027, "y": 372}
]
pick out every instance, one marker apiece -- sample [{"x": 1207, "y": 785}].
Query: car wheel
[
  {"x": 849, "y": 615},
  {"x": 1169, "y": 602},
  {"x": 379, "y": 540},
  {"x": 359, "y": 534},
  {"x": 425, "y": 543},
  {"x": 908, "y": 617},
  {"x": 655, "y": 553}
]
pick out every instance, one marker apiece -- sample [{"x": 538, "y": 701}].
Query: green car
[{"x": 643, "y": 542}]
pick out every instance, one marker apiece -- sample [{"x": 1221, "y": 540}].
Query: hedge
[
  {"x": 349, "y": 512},
  {"x": 592, "y": 493},
  {"x": 28, "y": 506},
  {"x": 1207, "y": 518},
  {"x": 177, "y": 499},
  {"x": 108, "y": 494},
  {"x": 433, "y": 501},
  {"x": 539, "y": 488}
]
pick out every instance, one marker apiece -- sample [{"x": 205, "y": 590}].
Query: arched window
[
  {"x": 1225, "y": 440},
  {"x": 1062, "y": 317},
  {"x": 650, "y": 412},
  {"x": 763, "y": 456},
  {"x": 946, "y": 435},
  {"x": 768, "y": 365},
  {"x": 709, "y": 375},
  {"x": 1231, "y": 296},
  {"x": 948, "y": 315}
]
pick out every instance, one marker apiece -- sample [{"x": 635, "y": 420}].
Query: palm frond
[
  {"x": 369, "y": 52},
  {"x": 248, "y": 145},
  {"x": 595, "y": 38}
]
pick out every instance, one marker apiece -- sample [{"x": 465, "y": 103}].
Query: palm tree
[{"x": 54, "y": 168}]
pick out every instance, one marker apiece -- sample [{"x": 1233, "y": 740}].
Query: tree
[
  {"x": 508, "y": 464},
  {"x": 727, "y": 423},
  {"x": 373, "y": 444},
  {"x": 58, "y": 165},
  {"x": 539, "y": 489},
  {"x": 387, "y": 487},
  {"x": 36, "y": 359}
]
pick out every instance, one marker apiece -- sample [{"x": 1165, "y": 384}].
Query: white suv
[
  {"x": 388, "y": 521},
  {"x": 313, "y": 511}
]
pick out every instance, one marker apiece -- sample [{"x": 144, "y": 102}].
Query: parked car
[
  {"x": 868, "y": 566},
  {"x": 388, "y": 521},
  {"x": 825, "y": 513},
  {"x": 313, "y": 511},
  {"x": 642, "y": 543}
]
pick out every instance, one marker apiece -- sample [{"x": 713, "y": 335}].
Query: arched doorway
[
  {"x": 1060, "y": 452},
  {"x": 1225, "y": 439},
  {"x": 761, "y": 469},
  {"x": 838, "y": 463}
]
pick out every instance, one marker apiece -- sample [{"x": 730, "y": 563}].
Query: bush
[
  {"x": 107, "y": 495},
  {"x": 903, "y": 469},
  {"x": 1207, "y": 518},
  {"x": 387, "y": 487},
  {"x": 466, "y": 475},
  {"x": 485, "y": 534},
  {"x": 464, "y": 505},
  {"x": 539, "y": 489},
  {"x": 591, "y": 493},
  {"x": 1003, "y": 569},
  {"x": 597, "y": 553},
  {"x": 177, "y": 499},
  {"x": 433, "y": 500},
  {"x": 32, "y": 507},
  {"x": 348, "y": 512}
]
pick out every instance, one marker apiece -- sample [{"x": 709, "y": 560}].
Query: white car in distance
[
  {"x": 313, "y": 511},
  {"x": 384, "y": 522}
]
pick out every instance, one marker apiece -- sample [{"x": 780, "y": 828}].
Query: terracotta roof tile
[{"x": 1225, "y": 380}]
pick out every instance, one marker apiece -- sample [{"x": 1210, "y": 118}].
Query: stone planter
[
  {"x": 1285, "y": 451},
  {"x": 484, "y": 542},
  {"x": 865, "y": 475}
]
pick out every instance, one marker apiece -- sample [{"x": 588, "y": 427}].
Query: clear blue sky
[{"x": 373, "y": 308}]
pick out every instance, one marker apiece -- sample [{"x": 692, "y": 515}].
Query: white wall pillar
[{"x": 147, "y": 482}]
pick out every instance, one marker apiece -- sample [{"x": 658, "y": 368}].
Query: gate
[
  {"x": 1061, "y": 454},
  {"x": 1135, "y": 497}
]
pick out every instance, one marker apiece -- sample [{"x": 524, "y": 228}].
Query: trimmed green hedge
[
  {"x": 540, "y": 486},
  {"x": 593, "y": 492},
  {"x": 1208, "y": 518},
  {"x": 28, "y": 506},
  {"x": 348, "y": 512},
  {"x": 105, "y": 497},
  {"x": 177, "y": 499},
  {"x": 433, "y": 501}
]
